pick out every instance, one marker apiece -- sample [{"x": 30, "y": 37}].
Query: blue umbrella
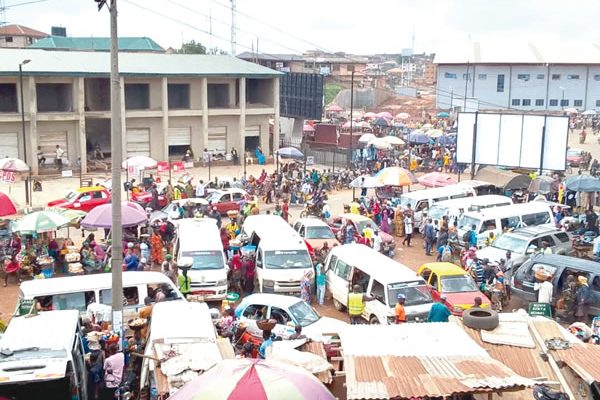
[
  {"x": 381, "y": 122},
  {"x": 583, "y": 183},
  {"x": 446, "y": 139},
  {"x": 443, "y": 114},
  {"x": 418, "y": 138},
  {"x": 290, "y": 152}
]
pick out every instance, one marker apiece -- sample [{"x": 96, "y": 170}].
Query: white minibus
[{"x": 455, "y": 208}]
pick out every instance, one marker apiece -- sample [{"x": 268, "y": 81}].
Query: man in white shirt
[
  {"x": 200, "y": 189},
  {"x": 376, "y": 241},
  {"x": 544, "y": 290},
  {"x": 59, "y": 155},
  {"x": 545, "y": 249}
]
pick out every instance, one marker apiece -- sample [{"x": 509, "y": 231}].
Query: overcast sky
[{"x": 353, "y": 26}]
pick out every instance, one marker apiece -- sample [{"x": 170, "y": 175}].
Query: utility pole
[
  {"x": 116, "y": 148},
  {"x": 351, "y": 119},
  {"x": 466, "y": 86},
  {"x": 233, "y": 11}
]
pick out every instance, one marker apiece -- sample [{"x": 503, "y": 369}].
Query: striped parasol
[
  {"x": 249, "y": 378},
  {"x": 396, "y": 176}
]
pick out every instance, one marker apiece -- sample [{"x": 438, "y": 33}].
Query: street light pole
[
  {"x": 28, "y": 179},
  {"x": 562, "y": 99}
]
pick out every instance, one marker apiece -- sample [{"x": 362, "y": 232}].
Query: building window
[
  {"x": 526, "y": 102},
  {"x": 449, "y": 75},
  {"x": 540, "y": 76},
  {"x": 137, "y": 96},
  {"x": 555, "y": 77},
  {"x": 553, "y": 103},
  {"x": 597, "y": 77},
  {"x": 577, "y": 103},
  {"x": 597, "y": 103},
  {"x": 467, "y": 77},
  {"x": 523, "y": 77},
  {"x": 482, "y": 77},
  {"x": 54, "y": 97},
  {"x": 539, "y": 102},
  {"x": 8, "y": 39},
  {"x": 8, "y": 97},
  {"x": 350, "y": 68},
  {"x": 572, "y": 76},
  {"x": 500, "y": 83},
  {"x": 178, "y": 96},
  {"x": 218, "y": 95},
  {"x": 516, "y": 102},
  {"x": 335, "y": 67},
  {"x": 564, "y": 103}
]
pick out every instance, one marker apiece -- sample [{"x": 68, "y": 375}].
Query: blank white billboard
[{"x": 513, "y": 140}]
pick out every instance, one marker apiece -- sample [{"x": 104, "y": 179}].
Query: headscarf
[{"x": 582, "y": 280}]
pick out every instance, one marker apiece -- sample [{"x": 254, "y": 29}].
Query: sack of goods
[
  {"x": 542, "y": 275},
  {"x": 75, "y": 268},
  {"x": 72, "y": 257}
]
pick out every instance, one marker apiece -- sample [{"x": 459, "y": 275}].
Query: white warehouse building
[{"x": 523, "y": 77}]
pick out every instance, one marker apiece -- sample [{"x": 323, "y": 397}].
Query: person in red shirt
[
  {"x": 248, "y": 267},
  {"x": 236, "y": 273},
  {"x": 11, "y": 267},
  {"x": 285, "y": 210}
]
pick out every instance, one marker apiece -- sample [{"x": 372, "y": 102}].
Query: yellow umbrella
[{"x": 396, "y": 176}]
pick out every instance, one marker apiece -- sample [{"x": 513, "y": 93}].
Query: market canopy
[
  {"x": 436, "y": 179},
  {"x": 101, "y": 216},
  {"x": 290, "y": 152},
  {"x": 366, "y": 182},
  {"x": 503, "y": 178},
  {"x": 140, "y": 162},
  {"x": 7, "y": 207},
  {"x": 40, "y": 222}
]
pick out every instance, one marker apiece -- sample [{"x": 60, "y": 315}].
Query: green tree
[
  {"x": 217, "y": 51},
  {"x": 192, "y": 47}
]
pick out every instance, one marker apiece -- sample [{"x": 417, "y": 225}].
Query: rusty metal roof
[
  {"x": 418, "y": 360},
  {"x": 318, "y": 349},
  {"x": 583, "y": 359}
]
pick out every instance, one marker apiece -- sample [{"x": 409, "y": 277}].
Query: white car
[{"x": 289, "y": 311}]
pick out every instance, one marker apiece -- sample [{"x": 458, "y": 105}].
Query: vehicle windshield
[
  {"x": 466, "y": 222},
  {"x": 304, "y": 314},
  {"x": 404, "y": 201},
  {"x": 457, "y": 284},
  {"x": 287, "y": 259},
  {"x": 319, "y": 232},
  {"x": 214, "y": 196},
  {"x": 512, "y": 243},
  {"x": 362, "y": 225},
  {"x": 573, "y": 153},
  {"x": 71, "y": 197},
  {"x": 205, "y": 259},
  {"x": 416, "y": 293},
  {"x": 31, "y": 353},
  {"x": 437, "y": 212}
]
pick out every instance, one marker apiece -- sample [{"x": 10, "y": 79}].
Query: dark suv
[{"x": 561, "y": 266}]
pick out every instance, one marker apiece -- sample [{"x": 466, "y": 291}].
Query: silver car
[{"x": 524, "y": 242}]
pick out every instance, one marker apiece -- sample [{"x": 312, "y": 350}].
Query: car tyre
[
  {"x": 304, "y": 214},
  {"x": 337, "y": 305},
  {"x": 479, "y": 318},
  {"x": 374, "y": 320}
]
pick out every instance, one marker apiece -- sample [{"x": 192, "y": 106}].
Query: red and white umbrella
[
  {"x": 7, "y": 207},
  {"x": 369, "y": 115},
  {"x": 384, "y": 114},
  {"x": 402, "y": 115},
  {"x": 436, "y": 179},
  {"x": 334, "y": 108}
]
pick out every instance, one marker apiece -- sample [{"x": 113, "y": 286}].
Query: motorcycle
[{"x": 543, "y": 392}]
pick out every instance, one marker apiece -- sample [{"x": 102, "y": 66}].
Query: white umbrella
[
  {"x": 13, "y": 165},
  {"x": 140, "y": 162},
  {"x": 571, "y": 110},
  {"x": 366, "y": 138},
  {"x": 366, "y": 181},
  {"x": 589, "y": 112},
  {"x": 394, "y": 140},
  {"x": 427, "y": 126},
  {"x": 434, "y": 133},
  {"x": 380, "y": 143}
]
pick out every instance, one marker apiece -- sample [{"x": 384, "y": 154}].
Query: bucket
[{"x": 48, "y": 273}]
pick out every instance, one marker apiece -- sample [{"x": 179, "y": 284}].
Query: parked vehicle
[
  {"x": 452, "y": 281},
  {"x": 560, "y": 267},
  {"x": 455, "y": 208},
  {"x": 288, "y": 311},
  {"x": 171, "y": 211},
  {"x": 421, "y": 200},
  {"x": 524, "y": 242},
  {"x": 209, "y": 270},
  {"x": 378, "y": 276},
  {"x": 84, "y": 199},
  {"x": 502, "y": 219},
  {"x": 228, "y": 199},
  {"x": 575, "y": 157},
  {"x": 282, "y": 257},
  {"x": 145, "y": 197},
  {"x": 184, "y": 328},
  {"x": 315, "y": 231},
  {"x": 361, "y": 222},
  {"x": 76, "y": 292},
  {"x": 43, "y": 358}
]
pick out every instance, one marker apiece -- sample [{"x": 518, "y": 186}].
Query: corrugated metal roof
[
  {"x": 418, "y": 360},
  {"x": 583, "y": 359},
  {"x": 20, "y": 30},
  {"x": 85, "y": 63},
  {"x": 502, "y": 52},
  {"x": 96, "y": 44},
  {"x": 247, "y": 55}
]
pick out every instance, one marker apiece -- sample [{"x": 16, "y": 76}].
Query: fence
[{"x": 334, "y": 158}]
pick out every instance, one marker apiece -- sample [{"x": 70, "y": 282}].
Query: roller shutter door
[
  {"x": 252, "y": 130},
  {"x": 48, "y": 141},
  {"x": 138, "y": 142},
  {"x": 217, "y": 139},
  {"x": 180, "y": 137},
  {"x": 9, "y": 145}
]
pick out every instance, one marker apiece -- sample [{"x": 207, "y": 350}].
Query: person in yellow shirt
[
  {"x": 446, "y": 162},
  {"x": 354, "y": 207},
  {"x": 356, "y": 304},
  {"x": 413, "y": 164}
]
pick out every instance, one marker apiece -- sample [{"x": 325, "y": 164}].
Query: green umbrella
[
  {"x": 74, "y": 216},
  {"x": 41, "y": 221}
]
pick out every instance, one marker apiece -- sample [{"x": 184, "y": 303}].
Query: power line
[{"x": 23, "y": 4}]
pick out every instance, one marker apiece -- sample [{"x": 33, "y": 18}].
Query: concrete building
[
  {"x": 521, "y": 76},
  {"x": 19, "y": 36},
  {"x": 169, "y": 103}
]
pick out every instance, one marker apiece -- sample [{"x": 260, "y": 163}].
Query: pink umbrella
[
  {"x": 436, "y": 179},
  {"x": 101, "y": 216},
  {"x": 402, "y": 115},
  {"x": 334, "y": 108},
  {"x": 308, "y": 128},
  {"x": 7, "y": 207},
  {"x": 369, "y": 115},
  {"x": 384, "y": 114}
]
